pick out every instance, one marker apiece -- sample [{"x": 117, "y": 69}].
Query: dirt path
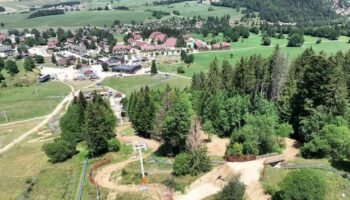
[{"x": 22, "y": 121}]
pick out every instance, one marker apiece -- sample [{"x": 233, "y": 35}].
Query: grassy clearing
[
  {"x": 336, "y": 184},
  {"x": 52, "y": 181},
  {"x": 129, "y": 84},
  {"x": 252, "y": 46},
  {"x": 13, "y": 131},
  {"x": 23, "y": 103},
  {"x": 137, "y": 12}
]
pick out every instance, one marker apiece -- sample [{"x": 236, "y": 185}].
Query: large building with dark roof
[{"x": 130, "y": 69}]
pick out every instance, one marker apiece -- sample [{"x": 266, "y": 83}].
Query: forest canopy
[{"x": 286, "y": 10}]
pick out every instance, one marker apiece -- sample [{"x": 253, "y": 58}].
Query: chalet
[
  {"x": 120, "y": 48},
  {"x": 81, "y": 49},
  {"x": 157, "y": 37},
  {"x": 51, "y": 46},
  {"x": 200, "y": 45},
  {"x": 130, "y": 69},
  {"x": 220, "y": 46},
  {"x": 170, "y": 42}
]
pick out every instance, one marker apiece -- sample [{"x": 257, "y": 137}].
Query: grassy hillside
[
  {"x": 129, "y": 84},
  {"x": 252, "y": 46},
  {"x": 23, "y": 103},
  {"x": 137, "y": 12}
]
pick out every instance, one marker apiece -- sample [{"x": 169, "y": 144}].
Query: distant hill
[{"x": 289, "y": 10}]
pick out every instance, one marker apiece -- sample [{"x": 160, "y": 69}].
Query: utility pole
[{"x": 139, "y": 147}]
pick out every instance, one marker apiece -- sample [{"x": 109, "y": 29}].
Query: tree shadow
[{"x": 341, "y": 165}]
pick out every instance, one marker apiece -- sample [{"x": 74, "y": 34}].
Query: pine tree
[
  {"x": 154, "y": 68},
  {"x": 96, "y": 131},
  {"x": 214, "y": 77},
  {"x": 227, "y": 77},
  {"x": 278, "y": 69},
  {"x": 176, "y": 125}
]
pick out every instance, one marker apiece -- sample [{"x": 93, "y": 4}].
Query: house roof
[
  {"x": 121, "y": 47},
  {"x": 157, "y": 36},
  {"x": 171, "y": 42}
]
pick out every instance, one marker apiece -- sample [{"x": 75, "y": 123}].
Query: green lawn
[
  {"x": 137, "y": 12},
  {"x": 23, "y": 103},
  {"x": 127, "y": 85},
  {"x": 336, "y": 185},
  {"x": 52, "y": 181},
  {"x": 252, "y": 46}
]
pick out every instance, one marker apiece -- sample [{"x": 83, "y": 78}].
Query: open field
[
  {"x": 28, "y": 161},
  {"x": 137, "y": 12},
  {"x": 129, "y": 84},
  {"x": 34, "y": 101},
  {"x": 336, "y": 184},
  {"x": 9, "y": 132},
  {"x": 252, "y": 46}
]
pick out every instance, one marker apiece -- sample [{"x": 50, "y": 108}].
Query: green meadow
[
  {"x": 129, "y": 84},
  {"x": 251, "y": 46},
  {"x": 137, "y": 12},
  {"x": 22, "y": 103}
]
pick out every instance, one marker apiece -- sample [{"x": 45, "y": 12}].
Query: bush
[
  {"x": 113, "y": 145},
  {"x": 193, "y": 162},
  {"x": 59, "y": 150},
  {"x": 266, "y": 41},
  {"x": 39, "y": 59},
  {"x": 302, "y": 184},
  {"x": 234, "y": 190},
  {"x": 296, "y": 40},
  {"x": 181, "y": 164},
  {"x": 180, "y": 70}
]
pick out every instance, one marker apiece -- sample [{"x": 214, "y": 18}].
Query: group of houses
[
  {"x": 156, "y": 42},
  {"x": 160, "y": 42}
]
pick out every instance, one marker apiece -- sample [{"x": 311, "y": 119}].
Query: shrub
[
  {"x": 302, "y": 184},
  {"x": 181, "y": 164},
  {"x": 59, "y": 150},
  {"x": 113, "y": 145},
  {"x": 296, "y": 40},
  {"x": 180, "y": 70},
  {"x": 266, "y": 41},
  {"x": 39, "y": 59},
  {"x": 234, "y": 190}
]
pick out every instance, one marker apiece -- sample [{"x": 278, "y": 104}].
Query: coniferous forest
[{"x": 256, "y": 103}]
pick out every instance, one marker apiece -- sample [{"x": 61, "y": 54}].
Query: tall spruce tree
[
  {"x": 154, "y": 68},
  {"x": 176, "y": 125}
]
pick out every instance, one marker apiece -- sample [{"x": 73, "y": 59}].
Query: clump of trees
[
  {"x": 234, "y": 190},
  {"x": 315, "y": 101},
  {"x": 46, "y": 12},
  {"x": 93, "y": 122},
  {"x": 302, "y": 184},
  {"x": 296, "y": 40}
]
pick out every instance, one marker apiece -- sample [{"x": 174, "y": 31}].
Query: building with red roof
[
  {"x": 170, "y": 42},
  {"x": 157, "y": 37},
  {"x": 120, "y": 48}
]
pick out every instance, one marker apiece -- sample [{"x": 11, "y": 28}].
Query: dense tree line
[
  {"x": 68, "y": 3},
  {"x": 315, "y": 101},
  {"x": 167, "y": 2},
  {"x": 167, "y": 117},
  {"x": 93, "y": 122},
  {"x": 41, "y": 13},
  {"x": 286, "y": 10}
]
